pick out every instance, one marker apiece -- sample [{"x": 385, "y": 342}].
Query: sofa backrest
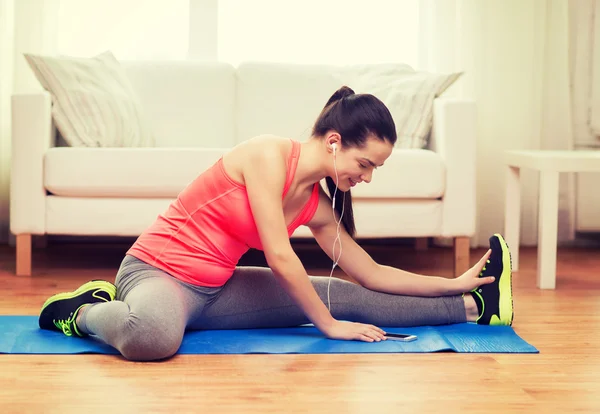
[
  {"x": 281, "y": 99},
  {"x": 188, "y": 103},
  {"x": 212, "y": 104},
  {"x": 215, "y": 105}
]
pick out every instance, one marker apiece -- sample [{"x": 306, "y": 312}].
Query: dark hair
[{"x": 355, "y": 117}]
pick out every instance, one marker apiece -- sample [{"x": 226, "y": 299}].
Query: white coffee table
[{"x": 549, "y": 164}]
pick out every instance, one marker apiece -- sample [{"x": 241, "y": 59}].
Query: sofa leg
[
  {"x": 461, "y": 255},
  {"x": 24, "y": 255},
  {"x": 421, "y": 244}
]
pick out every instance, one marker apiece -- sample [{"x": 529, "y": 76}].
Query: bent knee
[
  {"x": 149, "y": 348},
  {"x": 149, "y": 344}
]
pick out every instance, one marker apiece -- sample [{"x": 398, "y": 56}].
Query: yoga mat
[{"x": 21, "y": 335}]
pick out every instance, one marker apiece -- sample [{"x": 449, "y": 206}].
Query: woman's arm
[
  {"x": 264, "y": 176},
  {"x": 359, "y": 265},
  {"x": 264, "y": 173}
]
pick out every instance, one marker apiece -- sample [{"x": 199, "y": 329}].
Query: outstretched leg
[{"x": 253, "y": 298}]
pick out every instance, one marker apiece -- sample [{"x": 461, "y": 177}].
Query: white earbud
[{"x": 334, "y": 146}]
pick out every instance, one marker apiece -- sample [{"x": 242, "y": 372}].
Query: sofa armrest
[
  {"x": 454, "y": 137},
  {"x": 32, "y": 134}
]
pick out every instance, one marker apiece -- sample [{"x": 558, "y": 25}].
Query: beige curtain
[
  {"x": 595, "y": 68},
  {"x": 6, "y": 89},
  {"x": 515, "y": 54},
  {"x": 25, "y": 26},
  {"x": 585, "y": 54}
]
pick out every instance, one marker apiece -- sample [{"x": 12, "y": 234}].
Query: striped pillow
[
  {"x": 94, "y": 104},
  {"x": 407, "y": 93}
]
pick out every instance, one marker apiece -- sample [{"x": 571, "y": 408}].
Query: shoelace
[
  {"x": 483, "y": 270},
  {"x": 65, "y": 326}
]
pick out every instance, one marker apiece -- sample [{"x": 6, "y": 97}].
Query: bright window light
[
  {"x": 319, "y": 31},
  {"x": 131, "y": 29}
]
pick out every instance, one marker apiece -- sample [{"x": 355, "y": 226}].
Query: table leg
[
  {"x": 512, "y": 213},
  {"x": 547, "y": 229}
]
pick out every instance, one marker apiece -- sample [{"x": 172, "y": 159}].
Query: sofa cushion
[
  {"x": 281, "y": 99},
  {"x": 188, "y": 103},
  {"x": 131, "y": 216},
  {"x": 164, "y": 172},
  {"x": 124, "y": 172},
  {"x": 389, "y": 218},
  {"x": 407, "y": 173},
  {"x": 286, "y": 99}
]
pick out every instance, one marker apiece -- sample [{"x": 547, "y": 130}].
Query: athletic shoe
[
  {"x": 60, "y": 311},
  {"x": 495, "y": 302}
]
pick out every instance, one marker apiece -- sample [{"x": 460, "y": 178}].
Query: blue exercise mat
[{"x": 21, "y": 335}]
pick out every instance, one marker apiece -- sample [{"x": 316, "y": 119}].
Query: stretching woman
[{"x": 182, "y": 274}]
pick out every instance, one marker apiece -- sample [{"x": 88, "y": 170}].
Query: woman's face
[{"x": 356, "y": 165}]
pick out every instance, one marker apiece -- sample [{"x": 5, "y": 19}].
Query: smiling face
[{"x": 355, "y": 165}]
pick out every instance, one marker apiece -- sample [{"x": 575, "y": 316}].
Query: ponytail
[
  {"x": 340, "y": 200},
  {"x": 339, "y": 94}
]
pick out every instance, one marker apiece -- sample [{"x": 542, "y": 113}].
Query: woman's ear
[{"x": 334, "y": 139}]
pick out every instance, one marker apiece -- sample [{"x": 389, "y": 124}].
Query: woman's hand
[
  {"x": 354, "y": 331},
  {"x": 471, "y": 280}
]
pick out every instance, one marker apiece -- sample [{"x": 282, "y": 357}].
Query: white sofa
[{"x": 199, "y": 110}]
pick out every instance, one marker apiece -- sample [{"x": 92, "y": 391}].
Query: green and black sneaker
[
  {"x": 60, "y": 310},
  {"x": 494, "y": 300}
]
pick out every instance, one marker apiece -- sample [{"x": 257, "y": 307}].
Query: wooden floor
[{"x": 563, "y": 324}]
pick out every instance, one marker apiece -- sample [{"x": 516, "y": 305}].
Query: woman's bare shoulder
[
  {"x": 264, "y": 147},
  {"x": 261, "y": 144}
]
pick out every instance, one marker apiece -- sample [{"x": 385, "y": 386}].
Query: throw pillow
[
  {"x": 408, "y": 94},
  {"x": 93, "y": 101}
]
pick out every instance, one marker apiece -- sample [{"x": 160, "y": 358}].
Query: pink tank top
[{"x": 206, "y": 230}]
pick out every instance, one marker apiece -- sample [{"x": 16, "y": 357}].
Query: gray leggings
[{"x": 152, "y": 310}]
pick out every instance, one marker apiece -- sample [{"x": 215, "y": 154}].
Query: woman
[{"x": 182, "y": 272}]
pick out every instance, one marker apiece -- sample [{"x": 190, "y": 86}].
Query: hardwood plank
[{"x": 564, "y": 324}]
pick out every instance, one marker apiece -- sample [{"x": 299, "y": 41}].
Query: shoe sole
[
  {"x": 505, "y": 285},
  {"x": 92, "y": 285}
]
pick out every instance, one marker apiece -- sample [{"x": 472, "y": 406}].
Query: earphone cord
[{"x": 337, "y": 238}]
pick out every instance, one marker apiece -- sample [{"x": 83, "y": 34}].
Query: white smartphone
[{"x": 400, "y": 337}]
